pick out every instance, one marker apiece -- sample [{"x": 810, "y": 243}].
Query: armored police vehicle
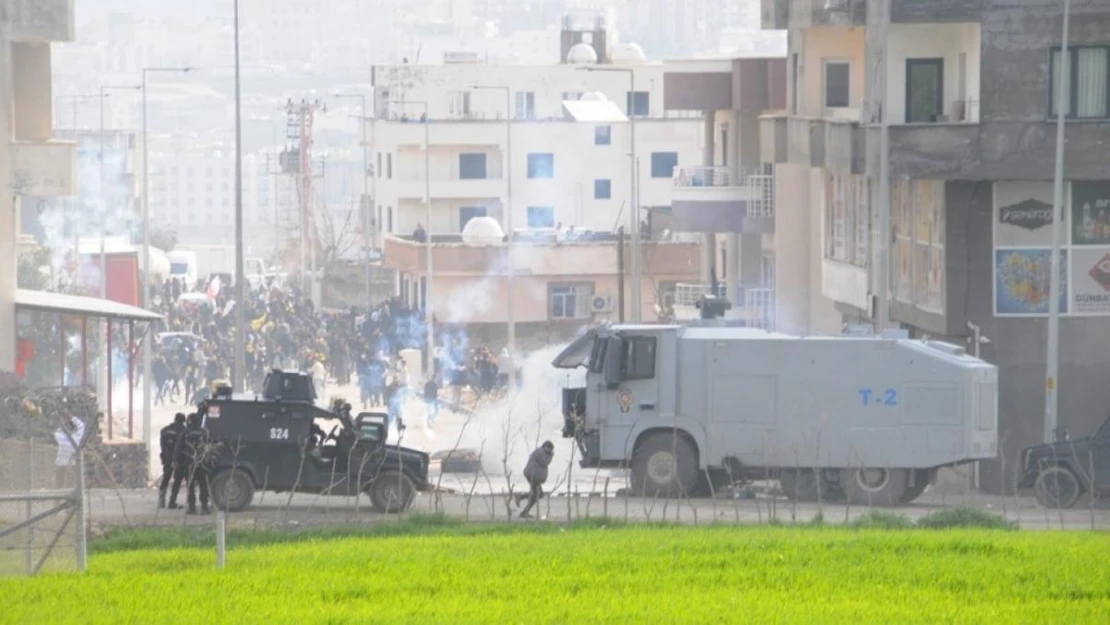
[
  {"x": 868, "y": 417},
  {"x": 277, "y": 442}
]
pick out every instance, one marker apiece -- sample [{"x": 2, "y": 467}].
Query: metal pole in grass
[{"x": 221, "y": 537}]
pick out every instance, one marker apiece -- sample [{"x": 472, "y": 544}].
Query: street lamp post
[
  {"x": 509, "y": 283},
  {"x": 147, "y": 399},
  {"x": 1051, "y": 401},
  {"x": 368, "y": 218},
  {"x": 429, "y": 316},
  {"x": 239, "y": 367},
  {"x": 634, "y": 216},
  {"x": 104, "y": 226}
]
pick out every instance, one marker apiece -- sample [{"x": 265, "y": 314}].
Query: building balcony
[
  {"x": 992, "y": 150},
  {"x": 805, "y": 141},
  {"x": 787, "y": 14},
  {"x": 844, "y": 147},
  {"x": 722, "y": 199},
  {"x": 42, "y": 20},
  {"x": 773, "y": 138},
  {"x": 592, "y": 256},
  {"x": 758, "y": 310},
  {"x": 413, "y": 188},
  {"x": 47, "y": 169}
]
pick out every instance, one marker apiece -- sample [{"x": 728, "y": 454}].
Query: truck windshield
[{"x": 577, "y": 354}]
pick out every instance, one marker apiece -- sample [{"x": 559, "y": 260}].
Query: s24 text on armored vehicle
[
  {"x": 266, "y": 443},
  {"x": 870, "y": 418},
  {"x": 1061, "y": 472}
]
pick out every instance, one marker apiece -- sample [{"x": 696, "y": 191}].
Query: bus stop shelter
[{"x": 56, "y": 325}]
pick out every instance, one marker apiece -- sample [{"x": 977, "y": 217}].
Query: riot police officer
[
  {"x": 167, "y": 441},
  {"x": 191, "y": 452}
]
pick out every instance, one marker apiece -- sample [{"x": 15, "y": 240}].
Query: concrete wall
[{"x": 1017, "y": 345}]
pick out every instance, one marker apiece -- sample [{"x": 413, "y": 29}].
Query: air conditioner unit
[{"x": 601, "y": 304}]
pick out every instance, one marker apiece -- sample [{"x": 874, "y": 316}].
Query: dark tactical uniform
[
  {"x": 166, "y": 442},
  {"x": 190, "y": 452}
]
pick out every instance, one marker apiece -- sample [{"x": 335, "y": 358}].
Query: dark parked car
[
  {"x": 279, "y": 442},
  {"x": 1060, "y": 473}
]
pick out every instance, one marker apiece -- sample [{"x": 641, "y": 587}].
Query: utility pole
[
  {"x": 299, "y": 123},
  {"x": 239, "y": 368},
  {"x": 882, "y": 300},
  {"x": 1052, "y": 361}
]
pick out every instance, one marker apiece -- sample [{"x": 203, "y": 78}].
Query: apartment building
[
  {"x": 484, "y": 124},
  {"x": 32, "y": 163},
  {"x": 970, "y": 99}
]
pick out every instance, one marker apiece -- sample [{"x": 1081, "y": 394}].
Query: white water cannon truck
[{"x": 870, "y": 418}]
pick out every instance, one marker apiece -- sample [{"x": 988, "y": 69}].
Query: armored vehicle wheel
[
  {"x": 921, "y": 481},
  {"x": 391, "y": 492},
  {"x": 874, "y": 487},
  {"x": 1057, "y": 487},
  {"x": 232, "y": 490},
  {"x": 664, "y": 466},
  {"x": 804, "y": 485}
]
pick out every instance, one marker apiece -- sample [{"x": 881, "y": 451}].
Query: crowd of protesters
[{"x": 285, "y": 331}]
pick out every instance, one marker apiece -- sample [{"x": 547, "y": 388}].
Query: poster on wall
[
  {"x": 1090, "y": 209},
  {"x": 1090, "y": 277},
  {"x": 1023, "y": 213},
  {"x": 1021, "y": 284}
]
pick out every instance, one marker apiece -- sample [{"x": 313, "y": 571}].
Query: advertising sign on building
[
  {"x": 1090, "y": 276},
  {"x": 1090, "y": 208},
  {"x": 1023, "y": 213},
  {"x": 1021, "y": 284}
]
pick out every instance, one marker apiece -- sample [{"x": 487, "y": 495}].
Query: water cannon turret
[{"x": 712, "y": 307}]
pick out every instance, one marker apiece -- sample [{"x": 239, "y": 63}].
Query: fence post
[
  {"x": 30, "y": 559},
  {"x": 79, "y": 501},
  {"x": 221, "y": 537}
]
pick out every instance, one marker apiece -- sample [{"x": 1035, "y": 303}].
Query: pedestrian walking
[
  {"x": 431, "y": 400},
  {"x": 68, "y": 435},
  {"x": 167, "y": 440},
  {"x": 536, "y": 474}
]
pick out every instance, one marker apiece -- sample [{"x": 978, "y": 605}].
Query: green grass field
[{"x": 638, "y": 574}]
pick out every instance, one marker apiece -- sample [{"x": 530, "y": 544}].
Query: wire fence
[{"x": 40, "y": 508}]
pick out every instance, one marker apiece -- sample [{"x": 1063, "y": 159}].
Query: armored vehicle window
[
  {"x": 597, "y": 358},
  {"x": 638, "y": 358}
]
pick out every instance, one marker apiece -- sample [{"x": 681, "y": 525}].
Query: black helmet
[
  {"x": 194, "y": 418},
  {"x": 549, "y": 446},
  {"x": 179, "y": 418}
]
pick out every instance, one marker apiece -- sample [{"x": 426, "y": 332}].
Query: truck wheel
[
  {"x": 391, "y": 492},
  {"x": 232, "y": 490},
  {"x": 663, "y": 466},
  {"x": 921, "y": 481},
  {"x": 1057, "y": 487},
  {"x": 874, "y": 487},
  {"x": 804, "y": 485}
]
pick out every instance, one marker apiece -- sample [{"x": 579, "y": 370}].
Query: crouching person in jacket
[{"x": 536, "y": 474}]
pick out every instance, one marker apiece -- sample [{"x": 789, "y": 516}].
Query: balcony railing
[
  {"x": 758, "y": 189},
  {"x": 758, "y": 310}
]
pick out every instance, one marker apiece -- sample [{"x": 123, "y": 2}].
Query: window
[
  {"x": 466, "y": 213},
  {"x": 795, "y": 83},
  {"x": 603, "y": 135},
  {"x": 597, "y": 356},
  {"x": 918, "y": 253},
  {"x": 525, "y": 105},
  {"x": 541, "y": 216},
  {"x": 837, "y": 84},
  {"x": 541, "y": 165},
  {"x": 1085, "y": 86},
  {"x": 847, "y": 219},
  {"x": 924, "y": 90},
  {"x": 638, "y": 358},
  {"x": 389, "y": 165},
  {"x": 637, "y": 103},
  {"x": 379, "y": 169},
  {"x": 389, "y": 219},
  {"x": 460, "y": 104},
  {"x": 570, "y": 301},
  {"x": 602, "y": 189},
  {"x": 663, "y": 164},
  {"x": 472, "y": 166}
]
